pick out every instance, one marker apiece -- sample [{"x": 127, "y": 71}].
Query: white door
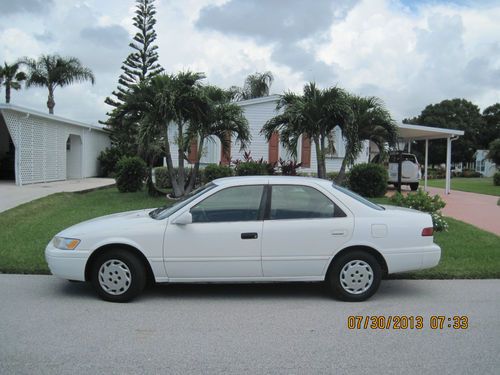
[
  {"x": 224, "y": 240},
  {"x": 304, "y": 229}
]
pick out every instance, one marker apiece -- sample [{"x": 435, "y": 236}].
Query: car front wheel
[
  {"x": 118, "y": 276},
  {"x": 355, "y": 276}
]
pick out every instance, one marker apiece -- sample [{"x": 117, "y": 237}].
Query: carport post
[
  {"x": 448, "y": 165},
  {"x": 426, "y": 162}
]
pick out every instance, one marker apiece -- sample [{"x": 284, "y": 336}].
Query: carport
[{"x": 409, "y": 133}]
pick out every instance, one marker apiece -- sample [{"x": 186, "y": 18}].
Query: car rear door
[
  {"x": 303, "y": 229},
  {"x": 224, "y": 239}
]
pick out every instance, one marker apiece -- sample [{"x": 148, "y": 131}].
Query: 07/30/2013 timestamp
[{"x": 437, "y": 322}]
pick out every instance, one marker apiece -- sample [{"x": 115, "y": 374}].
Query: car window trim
[
  {"x": 336, "y": 207},
  {"x": 236, "y": 221}
]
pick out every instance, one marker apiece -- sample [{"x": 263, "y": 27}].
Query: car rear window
[{"x": 359, "y": 198}]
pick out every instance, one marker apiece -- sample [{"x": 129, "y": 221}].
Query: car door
[
  {"x": 224, "y": 239},
  {"x": 303, "y": 229}
]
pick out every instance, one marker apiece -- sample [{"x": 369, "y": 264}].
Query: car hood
[{"x": 108, "y": 223}]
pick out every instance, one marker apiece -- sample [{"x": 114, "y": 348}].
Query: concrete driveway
[
  {"x": 12, "y": 195},
  {"x": 51, "y": 326}
]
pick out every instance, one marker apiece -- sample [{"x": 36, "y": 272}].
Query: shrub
[
  {"x": 213, "y": 171},
  {"x": 251, "y": 168},
  {"x": 496, "y": 179},
  {"x": 289, "y": 167},
  {"x": 108, "y": 160},
  {"x": 368, "y": 180},
  {"x": 332, "y": 175},
  {"x": 468, "y": 174},
  {"x": 422, "y": 201},
  {"x": 130, "y": 174},
  {"x": 162, "y": 178}
]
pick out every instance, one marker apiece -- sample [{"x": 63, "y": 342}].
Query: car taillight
[{"x": 427, "y": 232}]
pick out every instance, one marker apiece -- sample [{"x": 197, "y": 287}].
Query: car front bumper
[{"x": 66, "y": 264}]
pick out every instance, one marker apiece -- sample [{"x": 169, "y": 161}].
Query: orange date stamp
[{"x": 405, "y": 322}]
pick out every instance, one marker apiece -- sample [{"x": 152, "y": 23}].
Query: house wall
[
  {"x": 257, "y": 114},
  {"x": 41, "y": 146}
]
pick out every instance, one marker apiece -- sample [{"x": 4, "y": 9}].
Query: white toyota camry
[{"x": 249, "y": 229}]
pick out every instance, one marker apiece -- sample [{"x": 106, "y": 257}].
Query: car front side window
[
  {"x": 240, "y": 203},
  {"x": 301, "y": 202}
]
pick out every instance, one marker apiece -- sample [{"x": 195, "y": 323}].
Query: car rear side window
[
  {"x": 239, "y": 203},
  {"x": 301, "y": 202}
]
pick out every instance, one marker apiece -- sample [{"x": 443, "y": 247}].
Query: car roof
[{"x": 246, "y": 180}]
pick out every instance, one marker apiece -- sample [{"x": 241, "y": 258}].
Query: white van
[{"x": 410, "y": 170}]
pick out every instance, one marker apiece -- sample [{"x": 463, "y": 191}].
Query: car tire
[
  {"x": 118, "y": 275},
  {"x": 354, "y": 276},
  {"x": 414, "y": 187}
]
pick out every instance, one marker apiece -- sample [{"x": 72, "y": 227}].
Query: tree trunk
[
  {"x": 339, "y": 180},
  {"x": 50, "y": 101},
  {"x": 7, "y": 93},
  {"x": 319, "y": 157},
  {"x": 170, "y": 167},
  {"x": 196, "y": 167},
  {"x": 181, "y": 174}
]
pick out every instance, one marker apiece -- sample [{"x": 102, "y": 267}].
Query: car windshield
[
  {"x": 165, "y": 211},
  {"x": 359, "y": 198}
]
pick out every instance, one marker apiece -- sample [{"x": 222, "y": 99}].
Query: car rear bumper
[
  {"x": 67, "y": 264},
  {"x": 413, "y": 259}
]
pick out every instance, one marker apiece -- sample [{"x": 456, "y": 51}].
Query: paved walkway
[
  {"x": 12, "y": 195},
  {"x": 480, "y": 210}
]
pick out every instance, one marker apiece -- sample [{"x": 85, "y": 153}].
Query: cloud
[
  {"x": 409, "y": 53},
  {"x": 287, "y": 28},
  {"x": 25, "y": 6},
  {"x": 113, "y": 36}
]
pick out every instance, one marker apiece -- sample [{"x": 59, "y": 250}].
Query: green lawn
[
  {"x": 26, "y": 230},
  {"x": 468, "y": 252},
  {"x": 481, "y": 185}
]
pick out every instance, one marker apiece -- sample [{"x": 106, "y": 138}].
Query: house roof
[
  {"x": 263, "y": 99},
  {"x": 32, "y": 112},
  {"x": 421, "y": 132}
]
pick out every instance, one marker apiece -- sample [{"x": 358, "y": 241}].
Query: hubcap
[
  {"x": 114, "y": 277},
  {"x": 356, "y": 277}
]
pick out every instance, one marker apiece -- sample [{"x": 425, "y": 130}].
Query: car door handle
[
  {"x": 338, "y": 232},
  {"x": 249, "y": 236}
]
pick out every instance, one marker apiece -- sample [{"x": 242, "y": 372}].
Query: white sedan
[{"x": 249, "y": 229}]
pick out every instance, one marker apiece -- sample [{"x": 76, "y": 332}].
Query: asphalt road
[{"x": 51, "y": 326}]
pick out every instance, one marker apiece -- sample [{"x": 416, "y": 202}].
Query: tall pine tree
[{"x": 139, "y": 65}]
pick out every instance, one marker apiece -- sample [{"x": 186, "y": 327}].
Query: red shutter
[
  {"x": 305, "y": 154},
  {"x": 193, "y": 151},
  {"x": 274, "y": 147},
  {"x": 225, "y": 155}
]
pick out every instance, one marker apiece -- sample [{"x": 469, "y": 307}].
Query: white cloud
[{"x": 409, "y": 56}]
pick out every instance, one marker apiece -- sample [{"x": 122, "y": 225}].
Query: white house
[
  {"x": 484, "y": 165},
  {"x": 258, "y": 111},
  {"x": 38, "y": 147}
]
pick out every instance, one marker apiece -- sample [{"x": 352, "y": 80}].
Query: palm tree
[
  {"x": 162, "y": 101},
  {"x": 314, "y": 114},
  {"x": 12, "y": 78},
  {"x": 256, "y": 85},
  {"x": 52, "y": 71},
  {"x": 220, "y": 119},
  {"x": 370, "y": 121}
]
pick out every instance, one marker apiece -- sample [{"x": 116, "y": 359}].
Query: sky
[{"x": 408, "y": 53}]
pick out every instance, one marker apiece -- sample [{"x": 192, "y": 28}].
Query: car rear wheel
[
  {"x": 355, "y": 276},
  {"x": 118, "y": 276},
  {"x": 414, "y": 186}
]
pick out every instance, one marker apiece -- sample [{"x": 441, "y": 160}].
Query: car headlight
[{"x": 64, "y": 243}]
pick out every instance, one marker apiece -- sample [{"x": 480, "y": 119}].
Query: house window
[{"x": 68, "y": 144}]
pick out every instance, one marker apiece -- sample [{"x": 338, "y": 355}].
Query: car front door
[
  {"x": 303, "y": 229},
  {"x": 224, "y": 239}
]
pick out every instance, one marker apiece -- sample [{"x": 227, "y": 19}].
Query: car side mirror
[{"x": 183, "y": 219}]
